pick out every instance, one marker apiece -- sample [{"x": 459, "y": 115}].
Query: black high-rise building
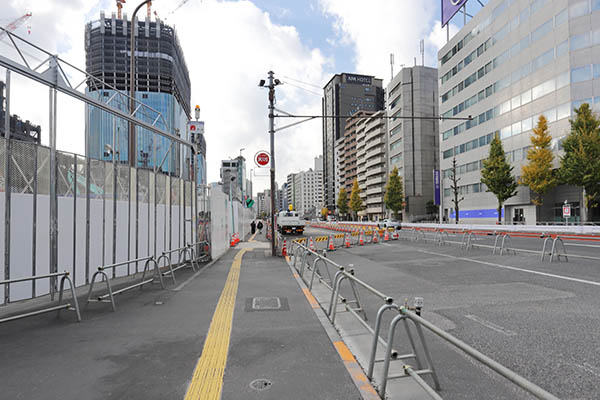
[{"x": 344, "y": 94}]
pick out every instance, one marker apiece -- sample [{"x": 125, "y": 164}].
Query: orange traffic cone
[
  {"x": 232, "y": 243},
  {"x": 311, "y": 246},
  {"x": 361, "y": 239},
  {"x": 386, "y": 237},
  {"x": 331, "y": 246},
  {"x": 284, "y": 248},
  {"x": 347, "y": 241},
  {"x": 375, "y": 236}
]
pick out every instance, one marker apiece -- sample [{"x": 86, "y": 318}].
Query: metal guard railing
[{"x": 405, "y": 314}]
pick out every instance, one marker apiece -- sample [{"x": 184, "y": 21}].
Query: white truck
[{"x": 289, "y": 222}]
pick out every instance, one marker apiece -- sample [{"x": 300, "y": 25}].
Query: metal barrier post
[
  {"x": 167, "y": 258},
  {"x": 376, "y": 337},
  {"x": 60, "y": 295}
]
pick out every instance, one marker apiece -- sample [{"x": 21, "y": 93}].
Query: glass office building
[{"x": 514, "y": 61}]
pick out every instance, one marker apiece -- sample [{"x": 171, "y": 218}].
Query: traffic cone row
[
  {"x": 347, "y": 241},
  {"x": 331, "y": 246}
]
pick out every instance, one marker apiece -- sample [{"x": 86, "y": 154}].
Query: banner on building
[
  {"x": 449, "y": 8},
  {"x": 436, "y": 187}
]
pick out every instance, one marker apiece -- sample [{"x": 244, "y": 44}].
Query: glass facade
[{"x": 152, "y": 148}]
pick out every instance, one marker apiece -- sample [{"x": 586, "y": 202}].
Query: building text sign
[{"x": 358, "y": 79}]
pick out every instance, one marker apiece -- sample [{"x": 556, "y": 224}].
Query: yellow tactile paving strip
[{"x": 207, "y": 381}]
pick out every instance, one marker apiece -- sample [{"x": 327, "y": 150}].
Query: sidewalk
[{"x": 160, "y": 343}]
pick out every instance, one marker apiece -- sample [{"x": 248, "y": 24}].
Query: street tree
[
  {"x": 394, "y": 193},
  {"x": 538, "y": 174},
  {"x": 356, "y": 203},
  {"x": 454, "y": 179},
  {"x": 324, "y": 212},
  {"x": 342, "y": 202},
  {"x": 580, "y": 165},
  {"x": 497, "y": 175}
]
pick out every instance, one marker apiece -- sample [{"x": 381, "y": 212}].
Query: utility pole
[
  {"x": 271, "y": 86},
  {"x": 272, "y": 140}
]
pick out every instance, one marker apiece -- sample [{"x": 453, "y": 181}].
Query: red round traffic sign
[{"x": 262, "y": 158}]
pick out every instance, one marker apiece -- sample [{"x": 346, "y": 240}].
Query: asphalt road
[{"x": 539, "y": 319}]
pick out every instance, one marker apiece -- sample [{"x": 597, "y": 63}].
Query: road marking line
[
  {"x": 566, "y": 278},
  {"x": 311, "y": 299},
  {"x": 356, "y": 373},
  {"x": 491, "y": 325},
  {"x": 589, "y": 368},
  {"x": 582, "y": 245},
  {"x": 207, "y": 381}
]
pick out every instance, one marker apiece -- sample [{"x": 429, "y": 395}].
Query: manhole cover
[
  {"x": 260, "y": 384},
  {"x": 266, "y": 303}
]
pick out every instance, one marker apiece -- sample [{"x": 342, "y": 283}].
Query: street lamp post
[{"x": 132, "y": 137}]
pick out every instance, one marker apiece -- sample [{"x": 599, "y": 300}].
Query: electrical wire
[
  {"x": 299, "y": 81},
  {"x": 300, "y": 87}
]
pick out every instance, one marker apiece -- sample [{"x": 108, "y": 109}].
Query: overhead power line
[
  {"x": 300, "y": 87},
  {"x": 469, "y": 118},
  {"x": 304, "y": 83}
]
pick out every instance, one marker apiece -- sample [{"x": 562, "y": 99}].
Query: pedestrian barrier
[
  {"x": 503, "y": 247},
  {"x": 66, "y": 306},
  {"x": 502, "y": 239},
  {"x": 555, "y": 251},
  {"x": 422, "y": 359},
  {"x": 441, "y": 237},
  {"x": 109, "y": 296}
]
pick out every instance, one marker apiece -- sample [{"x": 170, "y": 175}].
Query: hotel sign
[
  {"x": 449, "y": 8},
  {"x": 358, "y": 79}
]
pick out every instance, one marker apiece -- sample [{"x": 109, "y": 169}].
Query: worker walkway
[{"x": 241, "y": 328}]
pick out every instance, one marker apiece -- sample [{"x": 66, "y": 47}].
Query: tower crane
[{"x": 12, "y": 26}]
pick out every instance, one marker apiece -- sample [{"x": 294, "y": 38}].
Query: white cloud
[
  {"x": 58, "y": 27},
  {"x": 382, "y": 27},
  {"x": 228, "y": 46},
  {"x": 237, "y": 44}
]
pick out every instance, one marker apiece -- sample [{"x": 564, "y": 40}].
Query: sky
[{"x": 229, "y": 46}]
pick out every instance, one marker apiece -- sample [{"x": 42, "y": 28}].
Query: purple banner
[
  {"x": 449, "y": 8},
  {"x": 436, "y": 187}
]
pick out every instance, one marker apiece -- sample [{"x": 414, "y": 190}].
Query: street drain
[{"x": 260, "y": 384}]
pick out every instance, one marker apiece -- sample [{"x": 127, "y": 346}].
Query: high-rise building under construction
[{"x": 162, "y": 82}]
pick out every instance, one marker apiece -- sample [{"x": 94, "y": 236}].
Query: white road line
[
  {"x": 566, "y": 278},
  {"x": 583, "y": 245},
  {"x": 491, "y": 325}
]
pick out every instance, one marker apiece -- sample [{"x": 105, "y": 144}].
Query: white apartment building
[
  {"x": 512, "y": 62},
  {"x": 305, "y": 190}
]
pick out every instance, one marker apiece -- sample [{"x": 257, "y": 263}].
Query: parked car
[{"x": 389, "y": 223}]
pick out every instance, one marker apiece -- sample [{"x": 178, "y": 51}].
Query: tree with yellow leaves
[{"x": 538, "y": 174}]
